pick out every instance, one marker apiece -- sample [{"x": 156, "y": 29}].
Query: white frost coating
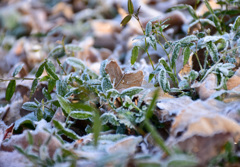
[{"x": 126, "y": 145}]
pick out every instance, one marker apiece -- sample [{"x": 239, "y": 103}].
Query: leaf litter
[{"x": 89, "y": 104}]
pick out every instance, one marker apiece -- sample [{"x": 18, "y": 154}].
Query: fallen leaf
[
  {"x": 39, "y": 138},
  {"x": 127, "y": 145},
  {"x": 201, "y": 122},
  {"x": 234, "y": 81},
  {"x": 122, "y": 80},
  {"x": 207, "y": 87}
]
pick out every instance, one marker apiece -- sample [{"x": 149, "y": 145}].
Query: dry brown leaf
[
  {"x": 126, "y": 145},
  {"x": 234, "y": 81},
  {"x": 39, "y": 138},
  {"x": 123, "y": 80},
  {"x": 207, "y": 87},
  {"x": 199, "y": 123},
  {"x": 169, "y": 108},
  {"x": 205, "y": 148}
]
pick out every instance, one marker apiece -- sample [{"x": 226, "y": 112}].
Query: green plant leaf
[
  {"x": 184, "y": 6},
  {"x": 46, "y": 94},
  {"x": 175, "y": 55},
  {"x": 106, "y": 84},
  {"x": 51, "y": 84},
  {"x": 134, "y": 55},
  {"x": 67, "y": 132},
  {"x": 30, "y": 106},
  {"x": 131, "y": 91},
  {"x": 64, "y": 104},
  {"x": 130, "y": 7},
  {"x": 34, "y": 86},
  {"x": 27, "y": 119},
  {"x": 97, "y": 126},
  {"x": 39, "y": 114},
  {"x": 75, "y": 62},
  {"x": 213, "y": 51},
  {"x": 10, "y": 90},
  {"x": 193, "y": 75},
  {"x": 72, "y": 48},
  {"x": 50, "y": 70},
  {"x": 17, "y": 70},
  {"x": 188, "y": 39},
  {"x": 61, "y": 88},
  {"x": 152, "y": 41},
  {"x": 148, "y": 28},
  {"x": 126, "y": 20},
  {"x": 40, "y": 70},
  {"x": 109, "y": 118},
  {"x": 81, "y": 115},
  {"x": 57, "y": 52},
  {"x": 102, "y": 68},
  {"x": 186, "y": 53},
  {"x": 163, "y": 81},
  {"x": 215, "y": 18},
  {"x": 236, "y": 24}
]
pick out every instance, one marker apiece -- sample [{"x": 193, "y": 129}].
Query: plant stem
[
  {"x": 149, "y": 57},
  {"x": 158, "y": 139},
  {"x": 15, "y": 78}
]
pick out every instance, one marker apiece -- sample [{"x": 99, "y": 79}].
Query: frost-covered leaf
[
  {"x": 102, "y": 68},
  {"x": 148, "y": 28},
  {"x": 106, "y": 84},
  {"x": 51, "y": 70},
  {"x": 17, "y": 69},
  {"x": 64, "y": 104},
  {"x": 72, "y": 48},
  {"x": 93, "y": 82},
  {"x": 163, "y": 81},
  {"x": 109, "y": 118},
  {"x": 30, "y": 106},
  {"x": 187, "y": 40},
  {"x": 81, "y": 115},
  {"x": 57, "y": 52},
  {"x": 236, "y": 24},
  {"x": 75, "y": 62},
  {"x": 67, "y": 132},
  {"x": 61, "y": 87},
  {"x": 193, "y": 75},
  {"x": 183, "y": 85},
  {"x": 28, "y": 119},
  {"x": 152, "y": 41},
  {"x": 202, "y": 21},
  {"x": 175, "y": 55},
  {"x": 131, "y": 91},
  {"x": 213, "y": 51},
  {"x": 188, "y": 7}
]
